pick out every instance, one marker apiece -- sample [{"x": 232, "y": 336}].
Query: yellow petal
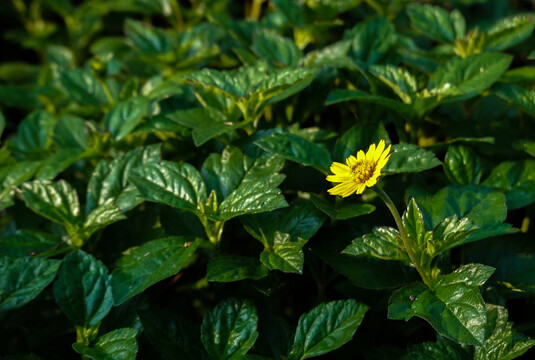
[
  {"x": 344, "y": 189},
  {"x": 379, "y": 151},
  {"x": 339, "y": 168},
  {"x": 351, "y": 160},
  {"x": 371, "y": 151},
  {"x": 338, "y": 178},
  {"x": 361, "y": 188},
  {"x": 361, "y": 156}
]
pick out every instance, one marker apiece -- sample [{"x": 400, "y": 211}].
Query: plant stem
[{"x": 403, "y": 233}]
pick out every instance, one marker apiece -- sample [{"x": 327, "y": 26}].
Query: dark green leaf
[
  {"x": 358, "y": 137},
  {"x": 180, "y": 186},
  {"x": 55, "y": 164},
  {"x": 110, "y": 179},
  {"x": 468, "y": 76},
  {"x": 33, "y": 132},
  {"x": 23, "y": 278},
  {"x": 144, "y": 266},
  {"x": 434, "y": 22},
  {"x": 443, "y": 349},
  {"x": 278, "y": 50},
  {"x": 509, "y": 31},
  {"x": 409, "y": 158},
  {"x": 82, "y": 289},
  {"x": 413, "y": 222},
  {"x": 383, "y": 243},
  {"x": 70, "y": 133},
  {"x": 27, "y": 243},
  {"x": 453, "y": 305},
  {"x": 229, "y": 330},
  {"x": 80, "y": 85},
  {"x": 501, "y": 341},
  {"x": 124, "y": 117},
  {"x": 344, "y": 212},
  {"x": 296, "y": 148},
  {"x": 102, "y": 216},
  {"x": 516, "y": 179},
  {"x": 56, "y": 201},
  {"x": 119, "y": 344},
  {"x": 326, "y": 328},
  {"x": 229, "y": 268},
  {"x": 284, "y": 255},
  {"x": 372, "y": 40},
  {"x": 147, "y": 39},
  {"x": 518, "y": 96},
  {"x": 398, "y": 79},
  {"x": 462, "y": 165}
]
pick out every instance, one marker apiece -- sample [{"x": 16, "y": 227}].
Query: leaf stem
[{"x": 415, "y": 261}]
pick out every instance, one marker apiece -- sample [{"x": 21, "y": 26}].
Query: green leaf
[
  {"x": 283, "y": 255},
  {"x": 55, "y": 164},
  {"x": 326, "y": 328},
  {"x": 119, "y": 344},
  {"x": 229, "y": 330},
  {"x": 229, "y": 268},
  {"x": 344, "y": 211},
  {"x": 148, "y": 264},
  {"x": 453, "y": 305},
  {"x": 516, "y": 179},
  {"x": 180, "y": 186},
  {"x": 462, "y": 165},
  {"x": 468, "y": 76},
  {"x": 483, "y": 206},
  {"x": 358, "y": 137},
  {"x": 509, "y": 31},
  {"x": 70, "y": 133},
  {"x": 383, "y": 243},
  {"x": 13, "y": 175},
  {"x": 110, "y": 179},
  {"x": 452, "y": 232},
  {"x": 82, "y": 289},
  {"x": 278, "y": 50},
  {"x": 413, "y": 222},
  {"x": 56, "y": 201},
  {"x": 102, "y": 216},
  {"x": 27, "y": 243},
  {"x": 23, "y": 278},
  {"x": 443, "y": 349},
  {"x": 80, "y": 85},
  {"x": 409, "y": 158},
  {"x": 147, "y": 39},
  {"x": 296, "y": 148},
  {"x": 434, "y": 22},
  {"x": 518, "y": 96},
  {"x": 398, "y": 79},
  {"x": 33, "y": 132},
  {"x": 124, "y": 117},
  {"x": 501, "y": 341},
  {"x": 524, "y": 74},
  {"x": 207, "y": 123},
  {"x": 372, "y": 39}
]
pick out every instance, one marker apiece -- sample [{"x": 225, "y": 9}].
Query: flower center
[{"x": 362, "y": 171}]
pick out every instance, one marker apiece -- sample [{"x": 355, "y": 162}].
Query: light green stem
[{"x": 415, "y": 261}]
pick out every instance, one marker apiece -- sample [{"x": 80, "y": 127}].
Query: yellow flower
[{"x": 360, "y": 171}]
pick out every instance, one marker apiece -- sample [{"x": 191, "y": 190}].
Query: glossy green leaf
[
  {"x": 118, "y": 344},
  {"x": 70, "y": 133},
  {"x": 27, "y": 243},
  {"x": 359, "y": 137},
  {"x": 434, "y": 22},
  {"x": 413, "y": 222},
  {"x": 82, "y": 289},
  {"x": 33, "y": 132},
  {"x": 443, "y": 349},
  {"x": 453, "y": 305},
  {"x": 125, "y": 116},
  {"x": 401, "y": 81},
  {"x": 278, "y": 50},
  {"x": 229, "y": 268},
  {"x": 509, "y": 31},
  {"x": 148, "y": 264},
  {"x": 55, "y": 164},
  {"x": 452, "y": 232},
  {"x": 326, "y": 328},
  {"x": 284, "y": 255},
  {"x": 12, "y": 175},
  {"x": 148, "y": 39},
  {"x": 56, "y": 201},
  {"x": 518, "y": 96},
  {"x": 344, "y": 211},
  {"x": 524, "y": 74},
  {"x": 296, "y": 148},
  {"x": 372, "y": 39},
  {"x": 110, "y": 179},
  {"x": 102, "y": 216},
  {"x": 409, "y": 158},
  {"x": 180, "y": 186},
  {"x": 81, "y": 86},
  {"x": 229, "y": 330},
  {"x": 468, "y": 76},
  {"x": 501, "y": 341},
  {"x": 383, "y": 243},
  {"x": 516, "y": 179},
  {"x": 23, "y": 278},
  {"x": 462, "y": 166}
]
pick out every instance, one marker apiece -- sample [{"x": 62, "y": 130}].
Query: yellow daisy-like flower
[{"x": 360, "y": 172}]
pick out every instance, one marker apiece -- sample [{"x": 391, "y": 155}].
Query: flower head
[{"x": 360, "y": 172}]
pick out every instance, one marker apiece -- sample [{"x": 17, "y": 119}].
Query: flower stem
[{"x": 402, "y": 233}]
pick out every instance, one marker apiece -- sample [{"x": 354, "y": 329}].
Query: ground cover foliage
[{"x": 163, "y": 179}]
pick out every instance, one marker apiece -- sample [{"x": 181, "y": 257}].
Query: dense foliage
[{"x": 163, "y": 187}]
